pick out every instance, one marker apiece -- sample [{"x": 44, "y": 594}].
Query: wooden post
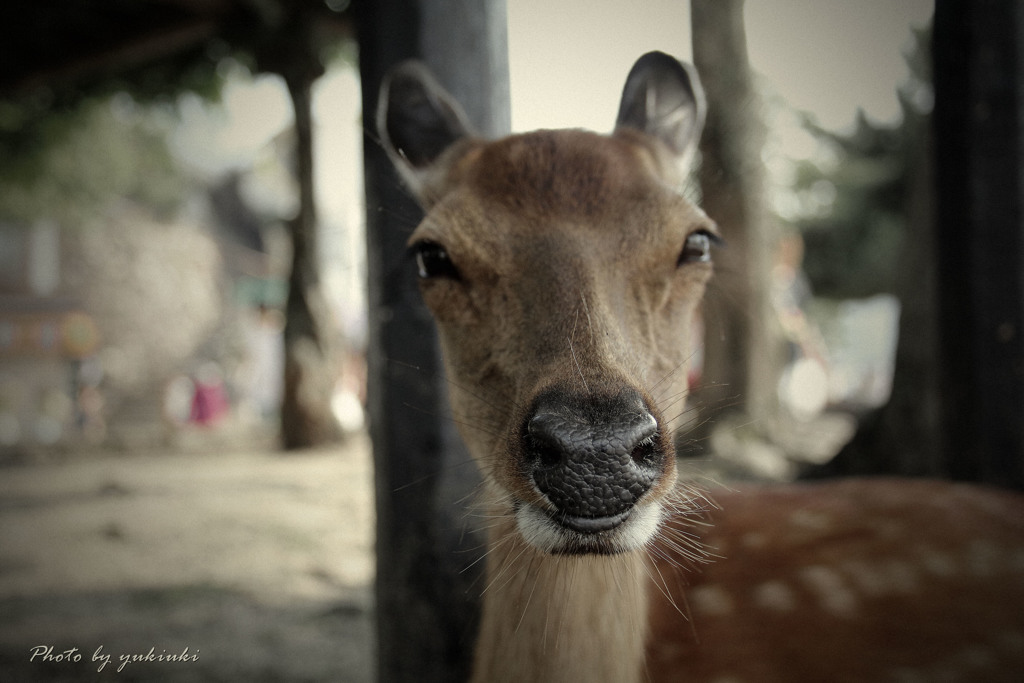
[
  {"x": 979, "y": 141},
  {"x": 427, "y": 582}
]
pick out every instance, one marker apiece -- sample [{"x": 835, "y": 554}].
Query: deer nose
[{"x": 593, "y": 460}]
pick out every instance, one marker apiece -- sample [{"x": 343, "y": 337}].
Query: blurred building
[
  {"x": 46, "y": 340},
  {"x": 104, "y": 326}
]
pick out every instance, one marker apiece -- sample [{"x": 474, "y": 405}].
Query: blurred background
[
  {"x": 201, "y": 337},
  {"x": 144, "y": 219}
]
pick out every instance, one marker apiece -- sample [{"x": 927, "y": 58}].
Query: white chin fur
[{"x": 546, "y": 535}]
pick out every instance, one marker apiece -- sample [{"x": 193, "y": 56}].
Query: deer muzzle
[{"x": 594, "y": 458}]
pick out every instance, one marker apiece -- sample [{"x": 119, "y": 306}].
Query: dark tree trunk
[
  {"x": 743, "y": 352},
  {"x": 288, "y": 46},
  {"x": 427, "y": 582},
  {"x": 310, "y": 366},
  {"x": 979, "y": 135}
]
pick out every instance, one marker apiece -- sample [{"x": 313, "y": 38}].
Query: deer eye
[
  {"x": 432, "y": 261},
  {"x": 697, "y": 248}
]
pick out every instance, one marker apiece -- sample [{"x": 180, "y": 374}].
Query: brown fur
[
  {"x": 551, "y": 618},
  {"x": 851, "y": 581}
]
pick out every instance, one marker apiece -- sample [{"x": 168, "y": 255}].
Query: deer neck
[{"x": 560, "y": 617}]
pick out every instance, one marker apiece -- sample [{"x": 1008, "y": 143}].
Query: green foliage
[
  {"x": 34, "y": 120},
  {"x": 852, "y": 247},
  {"x": 104, "y": 148},
  {"x": 854, "y": 235},
  {"x": 77, "y": 75}
]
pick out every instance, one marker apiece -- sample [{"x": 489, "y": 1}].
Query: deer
[{"x": 564, "y": 269}]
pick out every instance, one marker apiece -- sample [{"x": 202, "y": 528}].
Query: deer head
[{"x": 563, "y": 269}]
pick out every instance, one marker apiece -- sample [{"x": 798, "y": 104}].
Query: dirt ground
[{"x": 259, "y": 563}]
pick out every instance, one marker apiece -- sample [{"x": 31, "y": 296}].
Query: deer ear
[
  {"x": 417, "y": 121},
  {"x": 663, "y": 98}
]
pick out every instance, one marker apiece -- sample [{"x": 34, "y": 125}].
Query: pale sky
[
  {"x": 568, "y": 62},
  {"x": 569, "y": 58}
]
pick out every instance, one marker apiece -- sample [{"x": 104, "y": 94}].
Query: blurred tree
[
  {"x": 743, "y": 348},
  {"x": 856, "y": 224},
  {"x": 878, "y": 237},
  {"x": 292, "y": 49},
  {"x": 105, "y": 147},
  {"x": 855, "y": 204},
  {"x": 58, "y": 56},
  {"x": 958, "y": 392},
  {"x": 57, "y": 59}
]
